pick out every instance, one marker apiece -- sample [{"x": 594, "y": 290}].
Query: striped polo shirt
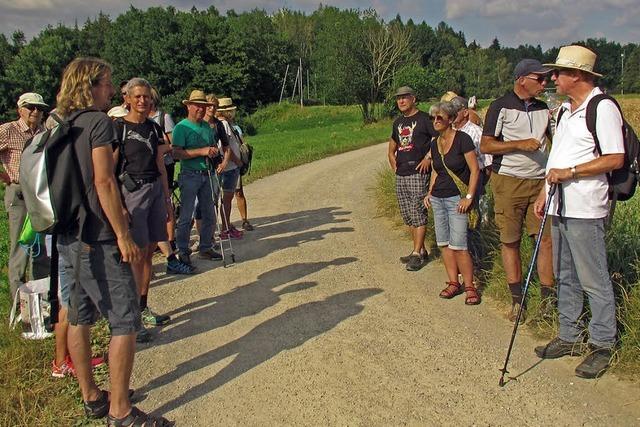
[{"x": 510, "y": 118}]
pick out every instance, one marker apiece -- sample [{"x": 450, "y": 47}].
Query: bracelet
[{"x": 573, "y": 172}]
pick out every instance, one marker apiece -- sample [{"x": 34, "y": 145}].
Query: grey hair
[
  {"x": 136, "y": 82},
  {"x": 459, "y": 103},
  {"x": 443, "y": 107}
]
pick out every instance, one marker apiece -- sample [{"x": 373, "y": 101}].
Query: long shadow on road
[
  {"x": 289, "y": 330},
  {"x": 210, "y": 313}
]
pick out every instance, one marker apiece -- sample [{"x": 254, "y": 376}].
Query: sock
[
  {"x": 143, "y": 302},
  {"x": 174, "y": 248},
  {"x": 172, "y": 257},
  {"x": 516, "y": 292},
  {"x": 547, "y": 293}
]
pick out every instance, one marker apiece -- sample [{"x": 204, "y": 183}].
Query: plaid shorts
[{"x": 411, "y": 191}]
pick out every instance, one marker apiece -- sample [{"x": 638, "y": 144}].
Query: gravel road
[{"x": 319, "y": 324}]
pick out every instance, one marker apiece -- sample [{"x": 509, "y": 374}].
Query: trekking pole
[
  {"x": 552, "y": 190},
  {"x": 217, "y": 225}
]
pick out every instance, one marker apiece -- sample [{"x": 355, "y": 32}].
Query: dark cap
[
  {"x": 405, "y": 90},
  {"x": 529, "y": 66}
]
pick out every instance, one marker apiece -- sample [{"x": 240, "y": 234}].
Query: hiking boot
[
  {"x": 416, "y": 262},
  {"x": 152, "y": 319},
  {"x": 512, "y": 314},
  {"x": 595, "y": 364},
  {"x": 175, "y": 266},
  {"x": 558, "y": 348},
  {"x": 210, "y": 254},
  {"x": 246, "y": 225},
  {"x": 143, "y": 336}
]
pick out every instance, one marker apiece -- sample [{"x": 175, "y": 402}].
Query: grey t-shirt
[{"x": 90, "y": 130}]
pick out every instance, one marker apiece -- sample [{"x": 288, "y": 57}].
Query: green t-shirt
[{"x": 188, "y": 135}]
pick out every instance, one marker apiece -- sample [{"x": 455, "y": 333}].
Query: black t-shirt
[
  {"x": 221, "y": 134},
  {"x": 141, "y": 141},
  {"x": 454, "y": 158},
  {"x": 412, "y": 134}
]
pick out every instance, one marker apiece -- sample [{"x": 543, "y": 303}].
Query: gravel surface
[{"x": 319, "y": 324}]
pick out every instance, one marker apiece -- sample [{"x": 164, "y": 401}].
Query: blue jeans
[
  {"x": 580, "y": 267},
  {"x": 450, "y": 225},
  {"x": 195, "y": 185}
]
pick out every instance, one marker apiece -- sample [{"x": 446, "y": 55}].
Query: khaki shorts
[{"x": 513, "y": 204}]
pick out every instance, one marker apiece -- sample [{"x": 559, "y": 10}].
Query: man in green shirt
[{"x": 194, "y": 144}]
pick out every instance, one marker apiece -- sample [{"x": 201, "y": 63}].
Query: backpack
[
  {"x": 50, "y": 179},
  {"x": 623, "y": 181},
  {"x": 246, "y": 153}
]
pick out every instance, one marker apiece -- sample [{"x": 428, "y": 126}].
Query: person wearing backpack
[
  {"x": 579, "y": 209},
  {"x": 13, "y": 136}
]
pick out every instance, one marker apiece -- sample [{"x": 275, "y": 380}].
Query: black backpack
[{"x": 623, "y": 181}]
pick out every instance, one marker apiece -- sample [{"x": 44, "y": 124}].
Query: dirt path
[{"x": 318, "y": 324}]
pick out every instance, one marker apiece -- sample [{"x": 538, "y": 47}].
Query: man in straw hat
[
  {"x": 579, "y": 209},
  {"x": 410, "y": 159},
  {"x": 194, "y": 144},
  {"x": 516, "y": 132}
]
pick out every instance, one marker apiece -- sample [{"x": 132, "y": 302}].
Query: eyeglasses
[
  {"x": 33, "y": 107},
  {"x": 540, "y": 79},
  {"x": 123, "y": 93},
  {"x": 439, "y": 118}
]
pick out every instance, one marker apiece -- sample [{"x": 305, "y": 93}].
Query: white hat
[
  {"x": 575, "y": 58},
  {"x": 31, "y": 98}
]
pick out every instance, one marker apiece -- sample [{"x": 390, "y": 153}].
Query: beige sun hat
[
  {"x": 448, "y": 96},
  {"x": 31, "y": 98},
  {"x": 117, "y": 112},
  {"x": 197, "y": 97},
  {"x": 575, "y": 58},
  {"x": 226, "y": 104}
]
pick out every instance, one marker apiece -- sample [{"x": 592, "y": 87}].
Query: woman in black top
[{"x": 453, "y": 184}]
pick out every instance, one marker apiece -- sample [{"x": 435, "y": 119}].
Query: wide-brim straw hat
[
  {"x": 197, "y": 97},
  {"x": 575, "y": 58},
  {"x": 226, "y": 104}
]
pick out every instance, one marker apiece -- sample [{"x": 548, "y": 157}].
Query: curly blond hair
[{"x": 77, "y": 80}]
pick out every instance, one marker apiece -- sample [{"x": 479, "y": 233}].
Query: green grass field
[{"x": 287, "y": 136}]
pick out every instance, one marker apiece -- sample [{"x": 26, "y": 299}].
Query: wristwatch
[
  {"x": 573, "y": 172},
  {"x": 468, "y": 197}
]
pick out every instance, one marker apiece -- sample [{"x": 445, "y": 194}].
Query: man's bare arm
[{"x": 491, "y": 145}]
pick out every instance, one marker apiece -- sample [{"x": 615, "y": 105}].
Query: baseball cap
[
  {"x": 31, "y": 98},
  {"x": 529, "y": 66}
]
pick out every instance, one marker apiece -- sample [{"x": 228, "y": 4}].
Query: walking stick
[{"x": 552, "y": 190}]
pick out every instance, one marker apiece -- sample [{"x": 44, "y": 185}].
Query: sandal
[
  {"x": 137, "y": 418},
  {"x": 452, "y": 289},
  {"x": 472, "y": 297},
  {"x": 99, "y": 408}
]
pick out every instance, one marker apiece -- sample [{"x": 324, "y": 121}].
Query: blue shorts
[
  {"x": 229, "y": 180},
  {"x": 451, "y": 226}
]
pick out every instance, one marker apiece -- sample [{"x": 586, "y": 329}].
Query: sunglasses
[
  {"x": 540, "y": 79},
  {"x": 439, "y": 118},
  {"x": 33, "y": 107}
]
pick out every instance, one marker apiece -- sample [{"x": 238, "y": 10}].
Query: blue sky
[{"x": 545, "y": 22}]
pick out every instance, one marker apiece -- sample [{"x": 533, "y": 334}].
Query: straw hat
[
  {"x": 226, "y": 104},
  {"x": 117, "y": 112},
  {"x": 197, "y": 97},
  {"x": 575, "y": 58},
  {"x": 448, "y": 96}
]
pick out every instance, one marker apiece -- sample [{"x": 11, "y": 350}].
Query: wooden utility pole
[
  {"x": 301, "y": 87},
  {"x": 284, "y": 82},
  {"x": 295, "y": 84}
]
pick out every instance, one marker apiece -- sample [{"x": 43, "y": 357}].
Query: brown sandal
[
  {"x": 472, "y": 297},
  {"x": 452, "y": 289}
]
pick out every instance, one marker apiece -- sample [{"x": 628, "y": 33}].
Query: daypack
[
  {"x": 246, "y": 153},
  {"x": 50, "y": 179},
  {"x": 623, "y": 181}
]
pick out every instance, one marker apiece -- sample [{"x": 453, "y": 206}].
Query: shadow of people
[
  {"x": 210, "y": 313},
  {"x": 289, "y": 330}
]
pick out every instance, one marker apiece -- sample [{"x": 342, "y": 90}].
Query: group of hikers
[
  {"x": 443, "y": 160},
  {"x": 126, "y": 161}
]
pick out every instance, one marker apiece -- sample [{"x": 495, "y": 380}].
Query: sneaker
[
  {"x": 416, "y": 262},
  {"x": 405, "y": 259},
  {"x": 595, "y": 364},
  {"x": 143, "y": 336},
  {"x": 558, "y": 348},
  {"x": 152, "y": 319},
  {"x": 195, "y": 246},
  {"x": 232, "y": 233},
  {"x": 209, "y": 254},
  {"x": 512, "y": 314},
  {"x": 185, "y": 259},
  {"x": 60, "y": 371},
  {"x": 175, "y": 266},
  {"x": 246, "y": 225}
]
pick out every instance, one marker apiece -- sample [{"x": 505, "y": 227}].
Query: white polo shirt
[{"x": 573, "y": 145}]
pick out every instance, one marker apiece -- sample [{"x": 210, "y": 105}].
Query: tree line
[{"x": 349, "y": 57}]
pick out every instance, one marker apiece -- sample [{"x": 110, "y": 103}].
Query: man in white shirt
[{"x": 579, "y": 209}]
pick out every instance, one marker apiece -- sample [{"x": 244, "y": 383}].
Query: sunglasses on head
[
  {"x": 540, "y": 79},
  {"x": 33, "y": 107}
]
